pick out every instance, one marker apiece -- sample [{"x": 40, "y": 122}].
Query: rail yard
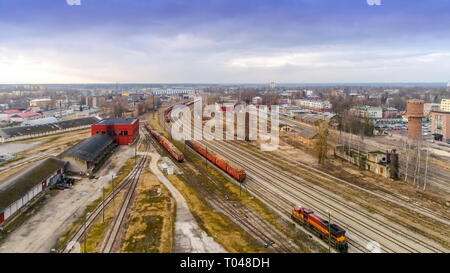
[
  {"x": 278, "y": 201},
  {"x": 225, "y": 135}
]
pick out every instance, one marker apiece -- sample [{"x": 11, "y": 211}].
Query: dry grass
[
  {"x": 228, "y": 234},
  {"x": 151, "y": 226}
]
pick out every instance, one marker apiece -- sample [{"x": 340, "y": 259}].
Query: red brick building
[{"x": 123, "y": 130}]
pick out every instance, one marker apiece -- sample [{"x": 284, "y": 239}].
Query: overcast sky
[{"x": 224, "y": 41}]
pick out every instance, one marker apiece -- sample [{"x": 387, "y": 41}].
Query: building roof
[
  {"x": 307, "y": 132},
  {"x": 26, "y": 114},
  {"x": 89, "y": 149},
  {"x": 17, "y": 185},
  {"x": 39, "y": 121},
  {"x": 11, "y": 132},
  {"x": 310, "y": 117},
  {"x": 12, "y": 111},
  {"x": 117, "y": 121}
]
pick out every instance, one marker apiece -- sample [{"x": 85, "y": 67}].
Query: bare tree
[{"x": 321, "y": 145}]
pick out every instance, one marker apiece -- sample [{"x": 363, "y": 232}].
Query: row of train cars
[{"x": 330, "y": 233}]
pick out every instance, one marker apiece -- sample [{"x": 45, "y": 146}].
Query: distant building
[
  {"x": 390, "y": 112},
  {"x": 39, "y": 121},
  {"x": 445, "y": 105},
  {"x": 440, "y": 125},
  {"x": 256, "y": 100},
  {"x": 428, "y": 107},
  {"x": 368, "y": 112},
  {"x": 381, "y": 163},
  {"x": 25, "y": 116},
  {"x": 315, "y": 105},
  {"x": 44, "y": 104},
  {"x": 172, "y": 91}
]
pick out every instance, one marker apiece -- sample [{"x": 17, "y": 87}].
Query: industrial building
[
  {"x": 84, "y": 157},
  {"x": 25, "y": 132},
  {"x": 385, "y": 164},
  {"x": 440, "y": 125},
  {"x": 43, "y": 104},
  {"x": 415, "y": 114},
  {"x": 24, "y": 187},
  {"x": 124, "y": 131}
]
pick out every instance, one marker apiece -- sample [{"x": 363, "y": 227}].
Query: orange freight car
[
  {"x": 166, "y": 144},
  {"x": 232, "y": 169}
]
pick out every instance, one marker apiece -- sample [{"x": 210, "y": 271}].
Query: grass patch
[{"x": 152, "y": 219}]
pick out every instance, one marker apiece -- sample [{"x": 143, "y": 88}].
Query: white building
[
  {"x": 369, "y": 112},
  {"x": 315, "y": 105},
  {"x": 256, "y": 100}
]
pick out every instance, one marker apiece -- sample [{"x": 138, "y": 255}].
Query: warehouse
[
  {"x": 124, "y": 130},
  {"x": 25, "y": 132},
  {"x": 87, "y": 154},
  {"x": 22, "y": 188}
]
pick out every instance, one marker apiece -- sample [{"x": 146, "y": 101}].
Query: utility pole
[
  {"x": 112, "y": 184},
  {"x": 103, "y": 204},
  {"x": 85, "y": 234},
  {"x": 407, "y": 146},
  {"x": 426, "y": 171},
  {"x": 329, "y": 231}
]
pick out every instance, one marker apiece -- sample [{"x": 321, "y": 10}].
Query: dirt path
[
  {"x": 41, "y": 232},
  {"x": 189, "y": 237}
]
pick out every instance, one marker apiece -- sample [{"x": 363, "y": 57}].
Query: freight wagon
[
  {"x": 166, "y": 144},
  {"x": 229, "y": 167},
  {"x": 167, "y": 114},
  {"x": 168, "y": 111},
  {"x": 321, "y": 227}
]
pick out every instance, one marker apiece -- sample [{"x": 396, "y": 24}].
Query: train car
[
  {"x": 177, "y": 154},
  {"x": 167, "y": 114},
  {"x": 232, "y": 169},
  {"x": 172, "y": 149},
  {"x": 321, "y": 227}
]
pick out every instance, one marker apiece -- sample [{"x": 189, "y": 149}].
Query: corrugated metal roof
[
  {"x": 89, "y": 149},
  {"x": 45, "y": 128},
  {"x": 40, "y": 121},
  {"x": 17, "y": 185}
]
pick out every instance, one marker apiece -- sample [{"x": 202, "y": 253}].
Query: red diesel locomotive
[{"x": 321, "y": 227}]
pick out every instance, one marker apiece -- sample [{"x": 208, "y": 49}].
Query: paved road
[{"x": 189, "y": 237}]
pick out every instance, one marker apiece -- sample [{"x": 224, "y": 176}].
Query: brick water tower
[{"x": 414, "y": 112}]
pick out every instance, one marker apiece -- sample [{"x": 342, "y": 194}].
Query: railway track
[
  {"x": 317, "y": 174},
  {"x": 111, "y": 239},
  {"x": 129, "y": 181},
  {"x": 365, "y": 227},
  {"x": 259, "y": 168},
  {"x": 244, "y": 217}
]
